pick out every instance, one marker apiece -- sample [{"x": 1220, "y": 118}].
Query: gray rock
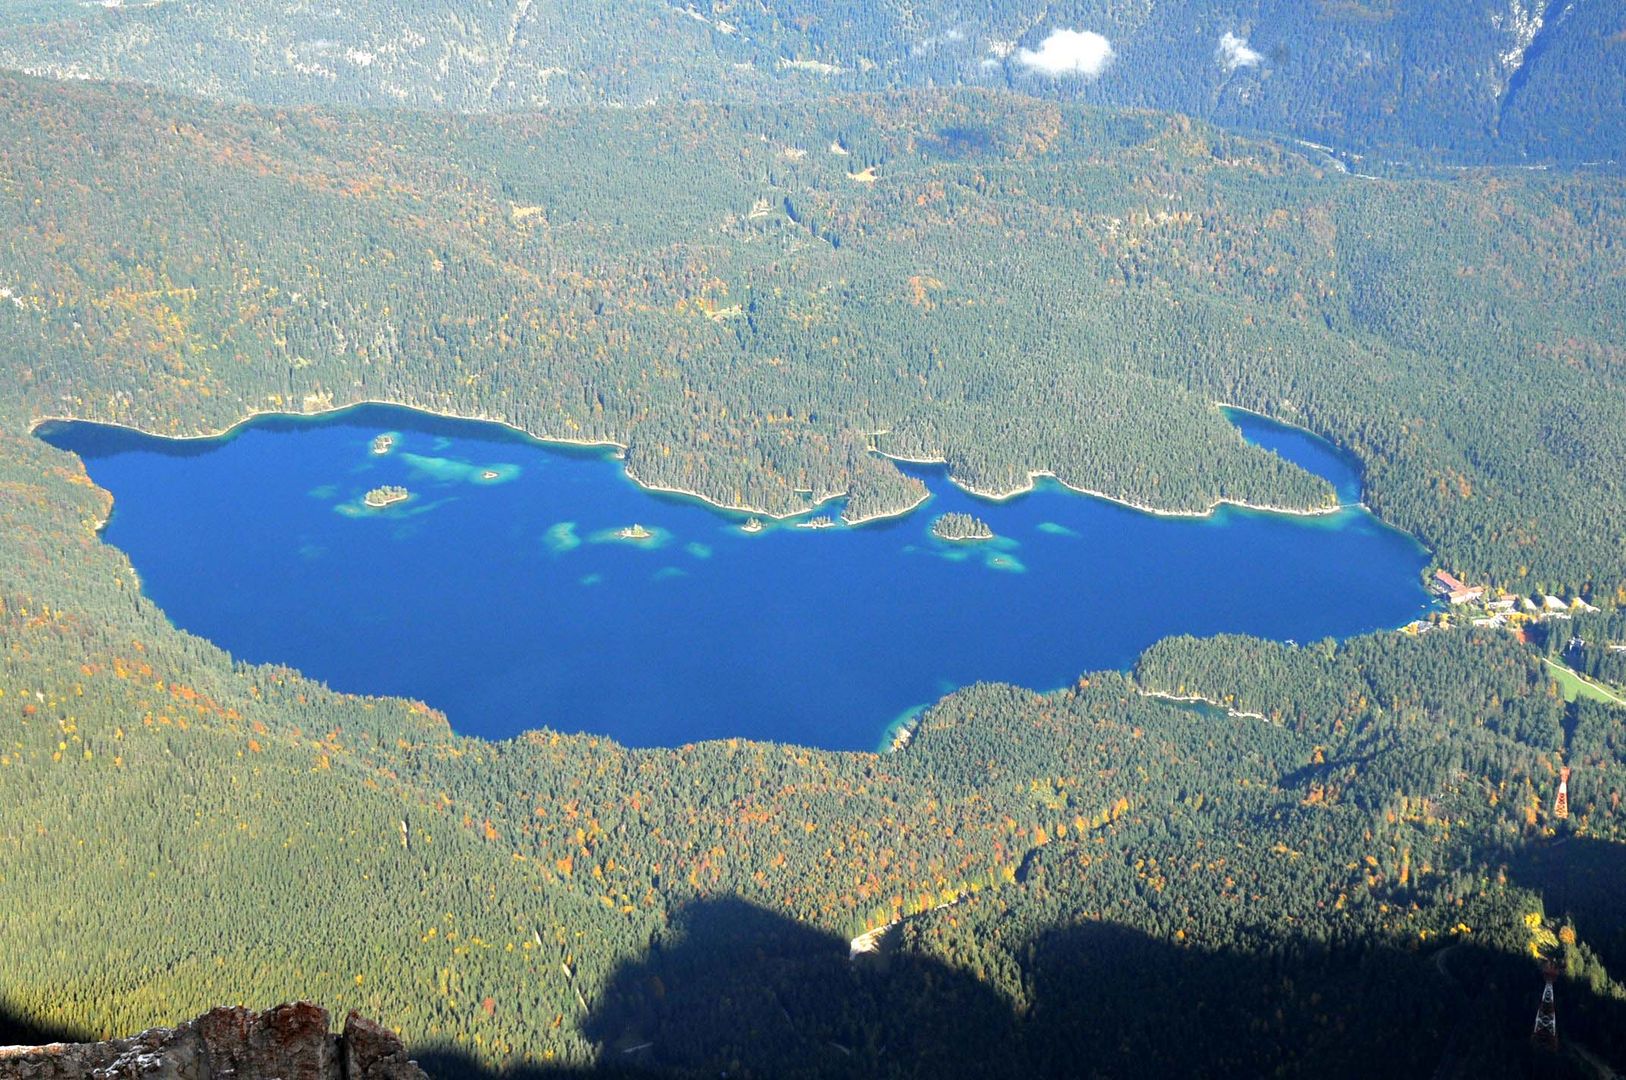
[{"x": 289, "y": 1042}]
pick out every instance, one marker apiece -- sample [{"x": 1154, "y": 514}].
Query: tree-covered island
[
  {"x": 961, "y": 527},
  {"x": 387, "y": 495}
]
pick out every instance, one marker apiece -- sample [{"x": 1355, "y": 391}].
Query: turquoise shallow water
[{"x": 499, "y": 593}]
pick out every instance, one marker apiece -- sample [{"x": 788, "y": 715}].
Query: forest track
[{"x": 1591, "y": 684}]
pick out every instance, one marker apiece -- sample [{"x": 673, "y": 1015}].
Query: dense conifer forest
[
  {"x": 1012, "y": 286},
  {"x": 560, "y": 898},
  {"x": 1328, "y": 858}
]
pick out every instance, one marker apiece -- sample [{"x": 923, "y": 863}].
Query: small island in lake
[
  {"x": 634, "y": 532},
  {"x": 383, "y": 443},
  {"x": 754, "y": 525},
  {"x": 388, "y": 495},
  {"x": 820, "y": 522},
  {"x": 961, "y": 527}
]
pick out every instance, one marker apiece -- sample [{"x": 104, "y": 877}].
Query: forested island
[
  {"x": 386, "y": 495},
  {"x": 961, "y": 527}
]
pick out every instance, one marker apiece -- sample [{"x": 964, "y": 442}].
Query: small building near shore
[{"x": 1455, "y": 591}]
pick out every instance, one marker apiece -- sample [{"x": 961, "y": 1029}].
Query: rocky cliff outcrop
[{"x": 289, "y": 1042}]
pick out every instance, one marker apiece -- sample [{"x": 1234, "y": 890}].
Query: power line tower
[
  {"x": 1561, "y": 807},
  {"x": 1546, "y": 1033}
]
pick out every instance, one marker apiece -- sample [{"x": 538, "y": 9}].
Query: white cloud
[
  {"x": 1083, "y": 53},
  {"x": 952, "y": 36},
  {"x": 1234, "y": 53}
]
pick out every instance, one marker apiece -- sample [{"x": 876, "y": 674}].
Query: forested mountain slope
[
  {"x": 1287, "y": 884},
  {"x": 1468, "y": 80},
  {"x": 560, "y": 898},
  {"x": 753, "y": 296},
  {"x": 1009, "y": 285}
]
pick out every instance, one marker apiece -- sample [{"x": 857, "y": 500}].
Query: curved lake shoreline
[
  {"x": 1035, "y": 475},
  {"x": 339, "y": 412},
  {"x": 493, "y": 598}
]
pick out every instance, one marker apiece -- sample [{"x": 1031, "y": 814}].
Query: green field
[{"x": 1573, "y": 684}]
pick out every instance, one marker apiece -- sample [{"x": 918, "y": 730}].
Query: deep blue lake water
[{"x": 500, "y": 594}]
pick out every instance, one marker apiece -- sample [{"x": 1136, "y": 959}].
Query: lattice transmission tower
[{"x": 1546, "y": 1031}]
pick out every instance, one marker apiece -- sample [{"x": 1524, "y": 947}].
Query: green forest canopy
[
  {"x": 1069, "y": 291},
  {"x": 1351, "y": 837}
]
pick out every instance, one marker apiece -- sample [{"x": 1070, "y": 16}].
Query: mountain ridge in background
[{"x": 1464, "y": 81}]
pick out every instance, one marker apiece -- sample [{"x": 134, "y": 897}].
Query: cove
[{"x": 500, "y": 593}]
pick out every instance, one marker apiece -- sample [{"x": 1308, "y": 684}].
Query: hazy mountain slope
[
  {"x": 1571, "y": 92},
  {"x": 1390, "y": 77},
  {"x": 451, "y": 54}
]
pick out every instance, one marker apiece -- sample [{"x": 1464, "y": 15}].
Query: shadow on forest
[
  {"x": 17, "y": 1031},
  {"x": 1584, "y": 878},
  {"x": 739, "y": 991},
  {"x": 736, "y": 989},
  {"x": 445, "y": 1063}
]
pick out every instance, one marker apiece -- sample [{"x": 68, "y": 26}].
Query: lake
[{"x": 500, "y": 593}]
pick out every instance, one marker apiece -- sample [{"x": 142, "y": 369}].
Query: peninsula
[
  {"x": 961, "y": 527},
  {"x": 388, "y": 495},
  {"x": 878, "y": 499}
]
